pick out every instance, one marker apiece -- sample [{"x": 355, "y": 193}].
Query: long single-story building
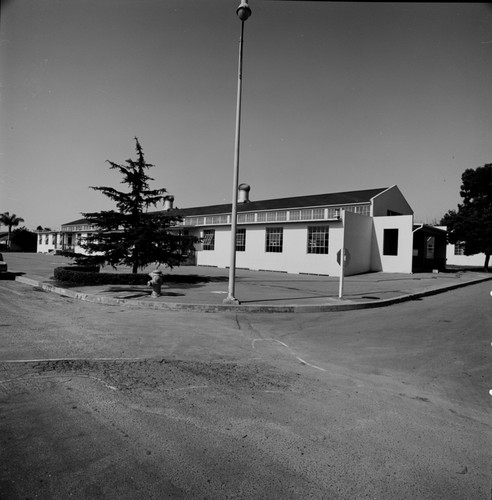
[{"x": 301, "y": 234}]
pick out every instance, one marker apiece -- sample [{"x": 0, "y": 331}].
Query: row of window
[
  {"x": 278, "y": 215},
  {"x": 68, "y": 239},
  {"x": 83, "y": 227},
  {"x": 317, "y": 239},
  {"x": 47, "y": 238}
]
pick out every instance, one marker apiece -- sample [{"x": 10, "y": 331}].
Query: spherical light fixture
[{"x": 243, "y": 11}]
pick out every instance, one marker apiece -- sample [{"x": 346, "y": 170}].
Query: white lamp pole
[
  {"x": 342, "y": 258},
  {"x": 243, "y": 12}
]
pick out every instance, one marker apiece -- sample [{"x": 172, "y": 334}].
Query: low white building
[
  {"x": 455, "y": 255},
  {"x": 302, "y": 234},
  {"x": 65, "y": 240}
]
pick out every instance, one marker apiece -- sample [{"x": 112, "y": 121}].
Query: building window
[
  {"x": 295, "y": 215},
  {"x": 46, "y": 239},
  {"x": 318, "y": 239},
  {"x": 241, "y": 240},
  {"x": 459, "y": 248},
  {"x": 306, "y": 214},
  {"x": 242, "y": 218},
  {"x": 430, "y": 247},
  {"x": 276, "y": 216},
  {"x": 274, "y": 239},
  {"x": 40, "y": 239},
  {"x": 216, "y": 219},
  {"x": 390, "y": 242},
  {"x": 209, "y": 239}
]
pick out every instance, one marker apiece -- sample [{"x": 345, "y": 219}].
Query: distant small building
[
  {"x": 65, "y": 240},
  {"x": 455, "y": 255},
  {"x": 429, "y": 248}
]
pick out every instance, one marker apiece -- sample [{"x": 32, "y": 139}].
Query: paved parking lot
[{"x": 256, "y": 290}]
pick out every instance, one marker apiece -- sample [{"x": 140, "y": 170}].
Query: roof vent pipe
[
  {"x": 168, "y": 202},
  {"x": 243, "y": 195}
]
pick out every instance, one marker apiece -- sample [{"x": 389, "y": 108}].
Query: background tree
[
  {"x": 24, "y": 240},
  {"x": 10, "y": 221},
  {"x": 471, "y": 224},
  {"x": 132, "y": 236}
]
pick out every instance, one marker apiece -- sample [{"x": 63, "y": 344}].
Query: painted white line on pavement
[
  {"x": 47, "y": 360},
  {"x": 13, "y": 291},
  {"x": 187, "y": 387},
  {"x": 281, "y": 343},
  {"x": 309, "y": 364},
  {"x": 290, "y": 350},
  {"x": 273, "y": 340}
]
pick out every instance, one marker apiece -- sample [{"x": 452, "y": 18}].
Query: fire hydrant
[{"x": 155, "y": 283}]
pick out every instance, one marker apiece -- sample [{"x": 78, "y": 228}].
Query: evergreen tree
[
  {"x": 471, "y": 224},
  {"x": 132, "y": 236}
]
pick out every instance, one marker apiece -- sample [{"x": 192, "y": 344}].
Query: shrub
[{"x": 92, "y": 276}]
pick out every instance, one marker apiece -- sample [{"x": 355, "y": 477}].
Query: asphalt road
[{"x": 109, "y": 402}]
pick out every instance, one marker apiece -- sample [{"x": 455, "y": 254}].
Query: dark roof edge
[{"x": 293, "y": 202}]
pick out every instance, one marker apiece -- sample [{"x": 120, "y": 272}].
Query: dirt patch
[{"x": 157, "y": 374}]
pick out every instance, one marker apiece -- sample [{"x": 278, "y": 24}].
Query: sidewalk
[{"x": 257, "y": 291}]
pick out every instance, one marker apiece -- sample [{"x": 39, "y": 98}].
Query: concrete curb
[{"x": 341, "y": 305}]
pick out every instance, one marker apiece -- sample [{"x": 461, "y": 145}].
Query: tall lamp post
[{"x": 243, "y": 12}]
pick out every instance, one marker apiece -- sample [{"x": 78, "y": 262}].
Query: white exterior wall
[
  {"x": 57, "y": 241},
  {"x": 358, "y": 242},
  {"x": 42, "y": 246},
  {"x": 463, "y": 260},
  {"x": 401, "y": 263},
  {"x": 477, "y": 260},
  {"x": 217, "y": 257},
  {"x": 391, "y": 199},
  {"x": 293, "y": 258}
]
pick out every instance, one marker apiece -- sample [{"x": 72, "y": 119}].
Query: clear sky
[{"x": 336, "y": 96}]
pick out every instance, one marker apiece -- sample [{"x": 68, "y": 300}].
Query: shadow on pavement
[{"x": 10, "y": 276}]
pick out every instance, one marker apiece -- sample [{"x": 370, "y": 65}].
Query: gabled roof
[
  {"x": 76, "y": 222},
  {"x": 307, "y": 201},
  {"x": 293, "y": 202},
  {"x": 428, "y": 229}
]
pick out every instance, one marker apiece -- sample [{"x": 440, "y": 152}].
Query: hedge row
[{"x": 92, "y": 276}]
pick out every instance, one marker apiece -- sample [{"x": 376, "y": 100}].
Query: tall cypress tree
[{"x": 132, "y": 236}]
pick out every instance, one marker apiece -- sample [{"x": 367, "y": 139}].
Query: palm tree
[{"x": 10, "y": 221}]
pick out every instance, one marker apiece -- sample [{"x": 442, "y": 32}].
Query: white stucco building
[
  {"x": 67, "y": 239},
  {"x": 455, "y": 255},
  {"x": 301, "y": 234}
]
